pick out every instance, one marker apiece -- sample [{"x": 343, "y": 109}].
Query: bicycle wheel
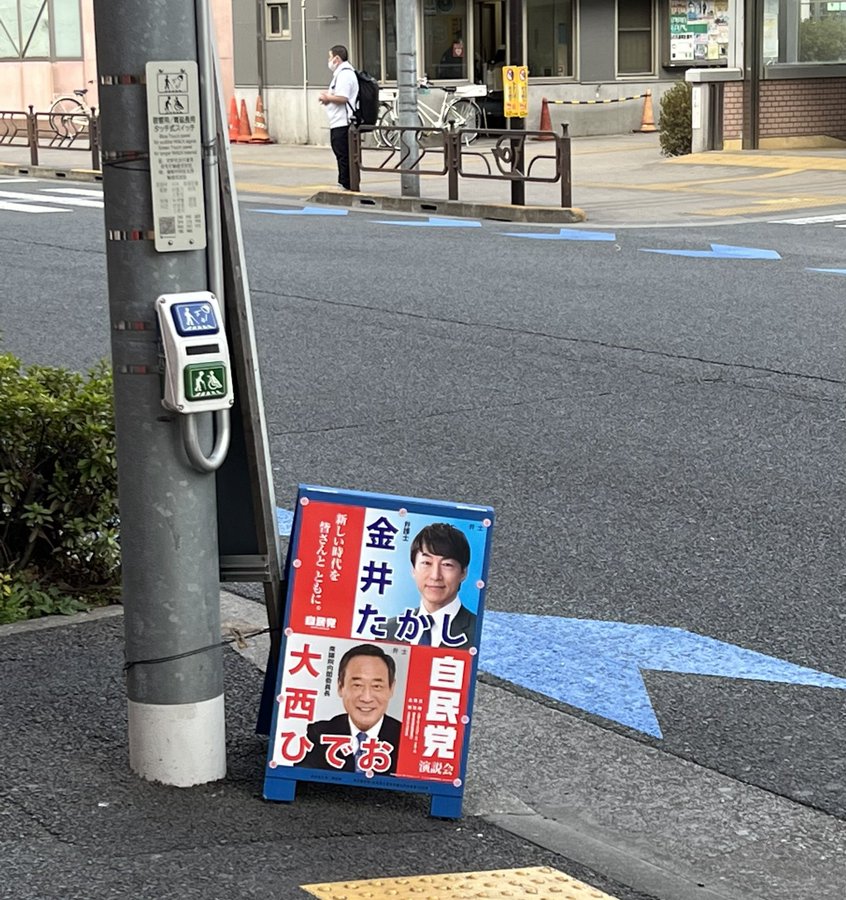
[
  {"x": 386, "y": 129},
  {"x": 465, "y": 114},
  {"x": 391, "y": 132},
  {"x": 68, "y": 117}
]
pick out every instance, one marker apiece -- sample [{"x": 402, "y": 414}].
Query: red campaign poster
[
  {"x": 325, "y": 571},
  {"x": 435, "y": 715}
]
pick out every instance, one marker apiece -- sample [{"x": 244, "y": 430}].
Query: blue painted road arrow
[
  {"x": 565, "y": 234},
  {"x": 832, "y": 271},
  {"x": 432, "y": 222},
  {"x": 305, "y": 211},
  {"x": 596, "y": 666},
  {"x": 721, "y": 251}
]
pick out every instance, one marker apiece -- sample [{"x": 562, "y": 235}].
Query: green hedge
[
  {"x": 59, "y": 548},
  {"x": 676, "y": 127}
]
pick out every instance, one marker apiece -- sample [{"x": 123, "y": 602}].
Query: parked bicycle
[
  {"x": 69, "y": 115},
  {"x": 458, "y": 109}
]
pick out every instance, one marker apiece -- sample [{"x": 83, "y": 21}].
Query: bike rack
[
  {"x": 505, "y": 160},
  {"x": 48, "y": 131}
]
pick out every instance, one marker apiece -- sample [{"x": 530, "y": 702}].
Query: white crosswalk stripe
[
  {"x": 813, "y": 220},
  {"x": 77, "y": 192},
  {"x": 26, "y": 208},
  {"x": 38, "y": 198}
]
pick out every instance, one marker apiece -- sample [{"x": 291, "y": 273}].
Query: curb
[
  {"x": 460, "y": 208},
  {"x": 51, "y": 172}
]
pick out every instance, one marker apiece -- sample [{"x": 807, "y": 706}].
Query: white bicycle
[
  {"x": 69, "y": 115},
  {"x": 458, "y": 109}
]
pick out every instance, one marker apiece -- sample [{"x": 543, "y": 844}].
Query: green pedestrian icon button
[{"x": 205, "y": 381}]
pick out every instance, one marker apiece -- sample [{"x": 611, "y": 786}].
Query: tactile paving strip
[{"x": 539, "y": 882}]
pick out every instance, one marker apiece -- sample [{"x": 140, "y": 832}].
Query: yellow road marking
[
  {"x": 696, "y": 188},
  {"x": 252, "y": 187},
  {"x": 766, "y": 206},
  {"x": 284, "y": 165},
  {"x": 541, "y": 882}
]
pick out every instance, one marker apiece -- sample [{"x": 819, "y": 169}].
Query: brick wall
[
  {"x": 733, "y": 111},
  {"x": 809, "y": 106}
]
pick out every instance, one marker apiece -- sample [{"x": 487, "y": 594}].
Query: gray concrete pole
[
  {"x": 171, "y": 590},
  {"x": 407, "y": 93}
]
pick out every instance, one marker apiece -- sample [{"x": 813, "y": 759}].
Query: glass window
[
  {"x": 9, "y": 32},
  {"x": 549, "y": 50},
  {"x": 822, "y": 32},
  {"x": 67, "y": 30},
  {"x": 812, "y": 31},
  {"x": 378, "y": 24},
  {"x": 278, "y": 23},
  {"x": 28, "y": 28},
  {"x": 445, "y": 39},
  {"x": 635, "y": 54},
  {"x": 390, "y": 40},
  {"x": 35, "y": 28},
  {"x": 371, "y": 38}
]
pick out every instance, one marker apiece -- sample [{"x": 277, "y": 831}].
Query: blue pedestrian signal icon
[{"x": 195, "y": 318}]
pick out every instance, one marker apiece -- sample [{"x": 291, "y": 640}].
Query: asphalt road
[{"x": 661, "y": 436}]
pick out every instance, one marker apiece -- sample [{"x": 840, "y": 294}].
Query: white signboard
[{"x": 176, "y": 164}]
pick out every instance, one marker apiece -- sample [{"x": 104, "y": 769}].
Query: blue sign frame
[{"x": 281, "y": 779}]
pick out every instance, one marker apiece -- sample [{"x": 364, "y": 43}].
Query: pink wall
[{"x": 39, "y": 82}]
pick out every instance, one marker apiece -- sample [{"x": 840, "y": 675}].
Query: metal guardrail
[
  {"x": 445, "y": 151},
  {"x": 51, "y": 131}
]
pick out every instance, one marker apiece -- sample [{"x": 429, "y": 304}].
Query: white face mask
[{"x": 332, "y": 64}]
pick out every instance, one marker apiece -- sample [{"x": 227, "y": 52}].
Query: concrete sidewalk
[
  {"x": 544, "y": 788},
  {"x": 619, "y": 181}
]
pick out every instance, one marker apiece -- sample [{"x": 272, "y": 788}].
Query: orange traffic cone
[
  {"x": 234, "y": 127},
  {"x": 647, "y": 123},
  {"x": 260, "y": 135},
  {"x": 545, "y": 123},
  {"x": 244, "y": 131}
]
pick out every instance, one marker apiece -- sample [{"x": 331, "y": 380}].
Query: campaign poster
[{"x": 381, "y": 632}]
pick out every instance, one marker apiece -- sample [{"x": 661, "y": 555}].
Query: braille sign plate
[{"x": 176, "y": 167}]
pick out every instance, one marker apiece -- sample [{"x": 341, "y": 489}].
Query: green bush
[
  {"x": 676, "y": 127},
  {"x": 58, "y": 491}
]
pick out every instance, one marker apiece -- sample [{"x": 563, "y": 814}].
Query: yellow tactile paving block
[
  {"x": 760, "y": 161},
  {"x": 539, "y": 882}
]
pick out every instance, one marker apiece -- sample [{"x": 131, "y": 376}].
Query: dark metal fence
[
  {"x": 51, "y": 131},
  {"x": 453, "y": 153}
]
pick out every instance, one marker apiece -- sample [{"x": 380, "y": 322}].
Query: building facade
[
  {"x": 47, "y": 49},
  {"x": 766, "y": 72},
  {"x": 766, "y": 69}
]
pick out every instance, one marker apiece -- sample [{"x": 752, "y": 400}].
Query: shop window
[
  {"x": 635, "y": 37},
  {"x": 549, "y": 50},
  {"x": 445, "y": 39},
  {"x": 278, "y": 24},
  {"x": 805, "y": 32},
  {"x": 40, "y": 29}
]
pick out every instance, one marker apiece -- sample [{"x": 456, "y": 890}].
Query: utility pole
[
  {"x": 407, "y": 94},
  {"x": 515, "y": 51},
  {"x": 171, "y": 590}
]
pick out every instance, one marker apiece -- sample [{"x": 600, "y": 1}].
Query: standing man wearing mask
[{"x": 339, "y": 101}]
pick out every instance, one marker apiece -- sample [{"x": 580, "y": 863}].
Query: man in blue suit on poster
[
  {"x": 440, "y": 555},
  {"x": 363, "y": 738}
]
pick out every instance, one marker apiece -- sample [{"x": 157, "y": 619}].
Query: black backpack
[{"x": 366, "y": 110}]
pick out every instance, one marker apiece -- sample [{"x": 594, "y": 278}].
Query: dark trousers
[{"x": 339, "y": 138}]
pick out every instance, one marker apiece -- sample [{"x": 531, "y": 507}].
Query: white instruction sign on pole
[{"x": 176, "y": 163}]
